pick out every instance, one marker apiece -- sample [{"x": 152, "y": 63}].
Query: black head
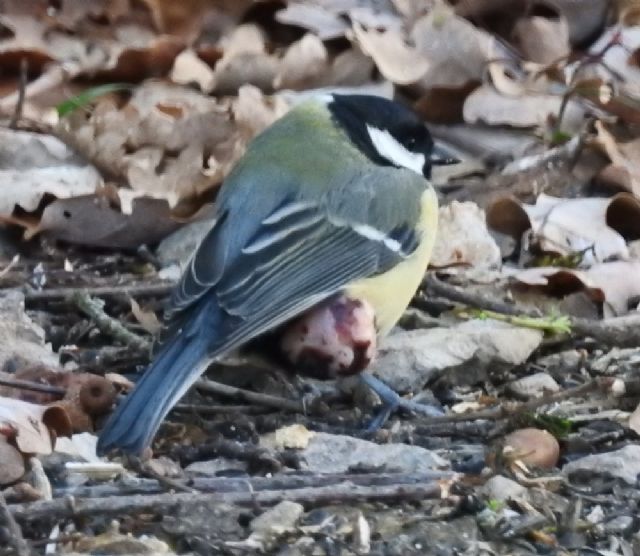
[{"x": 387, "y": 132}]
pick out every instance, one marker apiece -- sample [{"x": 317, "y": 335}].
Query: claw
[{"x": 392, "y": 401}]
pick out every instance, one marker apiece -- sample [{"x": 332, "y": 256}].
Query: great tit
[{"x": 328, "y": 220}]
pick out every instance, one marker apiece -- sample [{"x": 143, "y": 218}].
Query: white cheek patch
[{"x": 395, "y": 152}]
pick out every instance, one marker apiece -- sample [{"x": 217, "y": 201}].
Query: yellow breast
[{"x": 390, "y": 293}]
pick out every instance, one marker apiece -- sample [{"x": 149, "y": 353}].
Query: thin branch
[
  {"x": 16, "y": 538},
  {"x": 286, "y": 481},
  {"x": 93, "y": 308},
  {"x": 506, "y": 410},
  {"x": 249, "y": 396},
  {"x": 617, "y": 331},
  {"x": 33, "y": 386},
  {"x": 345, "y": 492},
  {"x": 53, "y": 77},
  {"x": 134, "y": 290},
  {"x": 17, "y": 113}
]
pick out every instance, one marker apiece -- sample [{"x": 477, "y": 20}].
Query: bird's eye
[{"x": 411, "y": 142}]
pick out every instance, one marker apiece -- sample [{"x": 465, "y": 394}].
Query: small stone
[
  {"x": 211, "y": 468},
  {"x": 408, "y": 360},
  {"x": 623, "y": 464},
  {"x": 293, "y": 437},
  {"x": 535, "y": 447},
  {"x": 277, "y": 520},
  {"x": 596, "y": 515},
  {"x": 503, "y": 489},
  {"x": 533, "y": 386},
  {"x": 11, "y": 463},
  {"x": 619, "y": 525},
  {"x": 335, "y": 453},
  {"x": 164, "y": 467}
]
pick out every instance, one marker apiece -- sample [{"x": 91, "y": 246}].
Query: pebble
[
  {"x": 623, "y": 464},
  {"x": 533, "y": 386}
]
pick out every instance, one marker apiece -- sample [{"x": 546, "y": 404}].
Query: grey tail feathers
[{"x": 136, "y": 420}]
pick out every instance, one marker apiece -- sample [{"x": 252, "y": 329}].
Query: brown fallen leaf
[
  {"x": 598, "y": 227},
  {"x": 615, "y": 284},
  {"x": 325, "y": 23},
  {"x": 634, "y": 420},
  {"x": 168, "y": 142},
  {"x": 189, "y": 68},
  {"x": 147, "y": 319},
  {"x": 33, "y": 428},
  {"x": 22, "y": 341},
  {"x": 397, "y": 62},
  {"x": 463, "y": 238},
  {"x": 542, "y": 39},
  {"x": 245, "y": 60},
  {"x": 625, "y": 159},
  {"x": 487, "y": 105},
  {"x": 253, "y": 112},
  {"x": 303, "y": 65},
  {"x": 11, "y": 463},
  {"x": 33, "y": 164},
  {"x": 457, "y": 51},
  {"x": 92, "y": 220},
  {"x": 84, "y": 396}
]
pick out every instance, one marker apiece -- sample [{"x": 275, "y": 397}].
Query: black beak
[{"x": 441, "y": 156}]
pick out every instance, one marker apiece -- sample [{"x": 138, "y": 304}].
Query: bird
[{"x": 322, "y": 234}]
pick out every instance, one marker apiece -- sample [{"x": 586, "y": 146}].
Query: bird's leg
[
  {"x": 392, "y": 401},
  {"x": 337, "y": 339}
]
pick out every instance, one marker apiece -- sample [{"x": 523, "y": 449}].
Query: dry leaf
[
  {"x": 456, "y": 50},
  {"x": 463, "y": 238},
  {"x": 11, "y": 463},
  {"x": 253, "y": 112},
  {"x": 32, "y": 165},
  {"x": 22, "y": 341},
  {"x": 614, "y": 284},
  {"x": 634, "y": 420},
  {"x": 91, "y": 220},
  {"x": 625, "y": 159},
  {"x": 303, "y": 65},
  {"x": 487, "y": 105},
  {"x": 245, "y": 61},
  {"x": 147, "y": 319},
  {"x": 188, "y": 68},
  {"x": 168, "y": 142},
  {"x": 595, "y": 226},
  {"x": 34, "y": 427},
  {"x": 541, "y": 39},
  {"x": 324, "y": 23},
  {"x": 396, "y": 61}
]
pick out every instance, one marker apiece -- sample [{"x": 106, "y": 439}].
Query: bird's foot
[{"x": 392, "y": 401}]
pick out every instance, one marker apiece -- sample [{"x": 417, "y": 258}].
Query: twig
[
  {"x": 93, "y": 308},
  {"x": 169, "y": 483},
  {"x": 566, "y": 152},
  {"x": 345, "y": 492},
  {"x": 506, "y": 410},
  {"x": 33, "y": 386},
  {"x": 17, "y": 113},
  {"x": 16, "y": 537},
  {"x": 135, "y": 290},
  {"x": 216, "y": 409},
  {"x": 254, "y": 484},
  {"x": 617, "y": 331},
  {"x": 50, "y": 79},
  {"x": 249, "y": 396},
  {"x": 437, "y": 287}
]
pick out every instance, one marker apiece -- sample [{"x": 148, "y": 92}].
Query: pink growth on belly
[{"x": 337, "y": 337}]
